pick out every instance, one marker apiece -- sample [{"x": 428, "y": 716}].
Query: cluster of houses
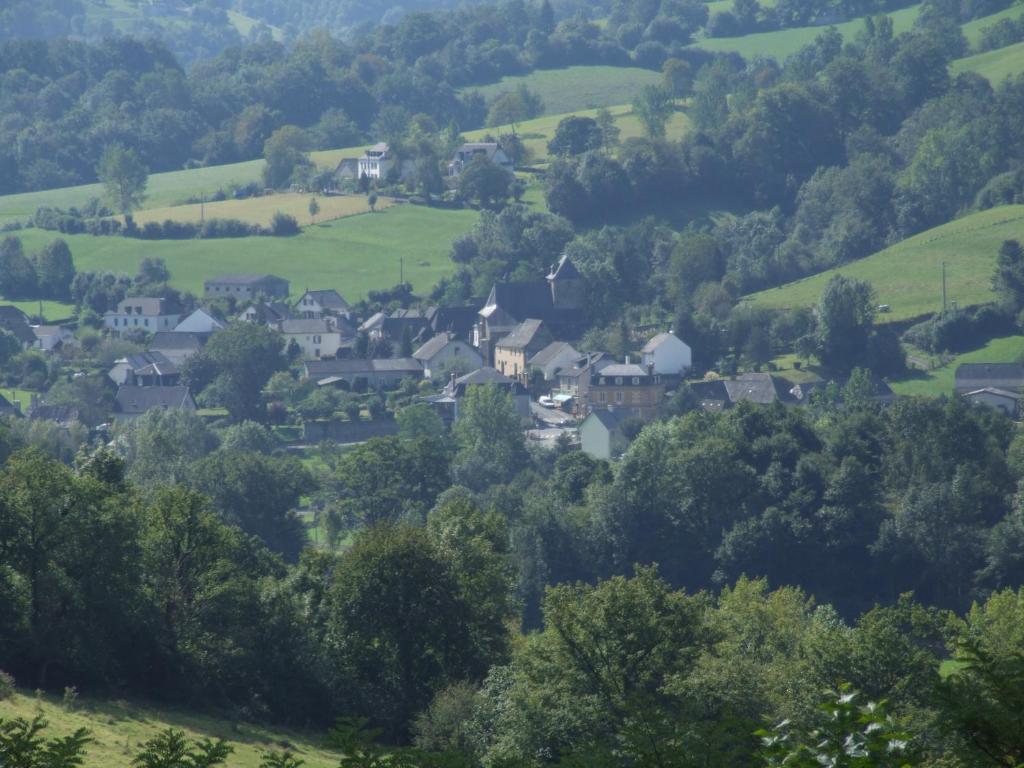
[{"x": 379, "y": 161}]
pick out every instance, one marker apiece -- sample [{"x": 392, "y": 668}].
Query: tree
[
  {"x": 576, "y": 135},
  {"x": 654, "y": 106},
  {"x": 845, "y": 313},
  {"x": 17, "y": 275},
  {"x": 677, "y": 77},
  {"x": 489, "y": 434},
  {"x": 1008, "y": 279},
  {"x": 485, "y": 183},
  {"x": 371, "y": 200},
  {"x": 609, "y": 130},
  {"x": 285, "y": 152},
  {"x": 419, "y": 420},
  {"x": 161, "y": 446},
  {"x": 243, "y": 357},
  {"x": 314, "y": 208},
  {"x": 54, "y": 270},
  {"x": 23, "y": 746},
  {"x": 152, "y": 271},
  {"x": 123, "y": 177},
  {"x": 170, "y": 749}
]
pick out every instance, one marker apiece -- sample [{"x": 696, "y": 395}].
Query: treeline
[{"x": 153, "y": 572}]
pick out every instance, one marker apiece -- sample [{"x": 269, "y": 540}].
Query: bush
[
  {"x": 957, "y": 330},
  {"x": 283, "y": 225},
  {"x": 6, "y": 685},
  {"x": 214, "y": 228}
]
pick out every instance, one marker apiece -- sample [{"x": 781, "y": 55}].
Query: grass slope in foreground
[
  {"x": 119, "y": 728},
  {"x": 908, "y": 276},
  {"x": 353, "y": 255},
  {"x": 939, "y": 381},
  {"x": 995, "y": 65},
  {"x": 577, "y": 88}
]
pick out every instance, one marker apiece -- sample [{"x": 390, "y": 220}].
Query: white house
[
  {"x": 999, "y": 399},
  {"x": 445, "y": 354},
  {"x": 315, "y": 304},
  {"x": 601, "y": 434},
  {"x": 669, "y": 355},
  {"x": 553, "y": 358},
  {"x": 142, "y": 313},
  {"x": 199, "y": 321},
  {"x": 50, "y": 337},
  {"x": 316, "y": 338},
  {"x": 376, "y": 161},
  {"x": 488, "y": 150}
]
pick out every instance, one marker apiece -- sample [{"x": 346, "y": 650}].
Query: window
[
  {"x": 618, "y": 397},
  {"x": 136, "y": 321},
  {"x": 601, "y": 397},
  {"x": 618, "y": 380},
  {"x": 636, "y": 379},
  {"x": 146, "y": 322}
]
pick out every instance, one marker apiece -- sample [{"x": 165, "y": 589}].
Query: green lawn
[
  {"x": 783, "y": 42},
  {"x": 353, "y": 255},
  {"x": 940, "y": 380},
  {"x": 908, "y": 275},
  {"x": 22, "y": 396},
  {"x": 52, "y": 310},
  {"x": 994, "y": 65},
  {"x": 577, "y": 88},
  {"x": 973, "y": 29},
  {"x": 119, "y": 728}
]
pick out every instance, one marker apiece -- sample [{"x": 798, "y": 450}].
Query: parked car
[{"x": 546, "y": 401}]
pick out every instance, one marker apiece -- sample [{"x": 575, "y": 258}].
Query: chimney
[
  {"x": 650, "y": 369},
  {"x": 627, "y": 359},
  {"x": 451, "y": 382}
]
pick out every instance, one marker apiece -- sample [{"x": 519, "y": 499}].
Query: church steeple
[{"x": 566, "y": 285}]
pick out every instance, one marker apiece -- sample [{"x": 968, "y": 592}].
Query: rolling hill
[
  {"x": 119, "y": 728},
  {"x": 995, "y": 65},
  {"x": 577, "y": 88},
  {"x": 908, "y": 275}
]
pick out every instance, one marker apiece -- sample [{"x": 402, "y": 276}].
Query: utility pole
[
  {"x": 943, "y": 287},
  {"x": 401, "y": 270}
]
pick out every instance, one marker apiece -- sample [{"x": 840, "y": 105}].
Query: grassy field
[
  {"x": 260, "y": 210},
  {"x": 908, "y": 275},
  {"x": 939, "y": 381},
  {"x": 119, "y": 728},
  {"x": 353, "y": 255},
  {"x": 994, "y": 65},
  {"x": 538, "y": 132},
  {"x": 577, "y": 88},
  {"x": 973, "y": 29},
  {"x": 51, "y": 310},
  {"x": 782, "y": 43}
]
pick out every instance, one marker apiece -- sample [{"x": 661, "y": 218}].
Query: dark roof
[
  {"x": 303, "y": 325},
  {"x": 328, "y": 299},
  {"x": 244, "y": 278},
  {"x": 413, "y": 319},
  {"x": 21, "y": 330},
  {"x": 712, "y": 394},
  {"x": 622, "y": 369},
  {"x": 755, "y": 388},
  {"x": 432, "y": 347},
  {"x": 150, "y": 363},
  {"x": 5, "y": 404},
  {"x": 611, "y": 419},
  {"x": 481, "y": 377},
  {"x": 136, "y": 400},
  {"x": 10, "y": 313},
  {"x": 61, "y": 414},
  {"x": 319, "y": 369},
  {"x": 175, "y": 340},
  {"x": 551, "y": 351},
  {"x": 982, "y": 371},
  {"x": 269, "y": 313},
  {"x": 523, "y": 335},
  {"x": 589, "y": 363},
  {"x": 564, "y": 270},
  {"x": 458, "y": 320},
  {"x": 994, "y": 391},
  {"x": 520, "y": 300}
]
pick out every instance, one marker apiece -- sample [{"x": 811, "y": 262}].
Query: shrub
[
  {"x": 283, "y": 225},
  {"x": 6, "y": 685}
]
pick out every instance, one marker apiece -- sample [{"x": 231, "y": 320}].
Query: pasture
[
  {"x": 908, "y": 275},
  {"x": 973, "y": 29},
  {"x": 353, "y": 255},
  {"x": 260, "y": 210},
  {"x": 119, "y": 728},
  {"x": 577, "y": 88},
  {"x": 939, "y": 381},
  {"x": 995, "y": 65}
]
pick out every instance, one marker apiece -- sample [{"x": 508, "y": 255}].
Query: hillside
[
  {"x": 995, "y": 65},
  {"x": 577, "y": 88},
  {"x": 908, "y": 276},
  {"x": 353, "y": 255},
  {"x": 939, "y": 381},
  {"x": 119, "y": 727}
]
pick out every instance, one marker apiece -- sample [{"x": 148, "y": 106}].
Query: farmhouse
[
  {"x": 132, "y": 401},
  {"x": 316, "y": 338},
  {"x": 145, "y": 369},
  {"x": 243, "y": 286},
  {"x": 51, "y": 337},
  {"x": 999, "y": 399},
  {"x": 514, "y": 350},
  {"x": 467, "y": 153},
  {"x": 971, "y": 377},
  {"x": 143, "y": 313},
  {"x": 444, "y": 354},
  {"x": 669, "y": 355},
  {"x": 553, "y": 358},
  {"x": 363, "y": 374}
]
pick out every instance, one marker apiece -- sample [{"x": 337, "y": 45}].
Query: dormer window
[
  {"x": 636, "y": 379},
  {"x": 618, "y": 380}
]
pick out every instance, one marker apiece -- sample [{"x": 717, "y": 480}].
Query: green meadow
[
  {"x": 908, "y": 276},
  {"x": 973, "y": 29},
  {"x": 994, "y": 65},
  {"x": 119, "y": 728},
  {"x": 577, "y": 88},
  {"x": 354, "y": 255},
  {"x": 939, "y": 381}
]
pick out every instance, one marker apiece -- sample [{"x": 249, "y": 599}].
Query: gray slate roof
[
  {"x": 301, "y": 325},
  {"x": 755, "y": 388},
  {"x": 328, "y": 299},
  {"x": 551, "y": 351},
  {"x": 624, "y": 370},
  {"x": 657, "y": 341},
  {"x": 175, "y": 340},
  {"x": 523, "y": 335},
  {"x": 994, "y": 391},
  {"x": 137, "y": 400},
  {"x": 979, "y": 375},
  {"x": 319, "y": 369},
  {"x": 244, "y": 278},
  {"x": 150, "y": 363},
  {"x": 564, "y": 270},
  {"x": 432, "y": 347}
]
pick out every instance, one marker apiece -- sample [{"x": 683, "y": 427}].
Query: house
[
  {"x": 552, "y": 359},
  {"x": 145, "y": 369},
  {"x": 669, "y": 355},
  {"x": 348, "y": 168},
  {"x": 999, "y": 399},
  {"x": 448, "y": 402},
  {"x": 444, "y": 354},
  {"x": 762, "y": 388},
  {"x": 316, "y": 338},
  {"x": 514, "y": 350},
  {"x": 244, "y": 287},
  {"x": 557, "y": 300},
  {"x": 15, "y": 322},
  {"x": 601, "y": 434},
  {"x": 467, "y": 153},
  {"x": 199, "y": 321},
  {"x": 628, "y": 387},
  {"x": 455, "y": 320},
  {"x": 395, "y": 326},
  {"x": 64, "y": 416},
  {"x": 313, "y": 305},
  {"x": 143, "y": 313},
  {"x": 133, "y": 401},
  {"x": 359, "y": 374},
  {"x": 176, "y": 346},
  {"x": 971, "y": 377},
  {"x": 264, "y": 313},
  {"x": 574, "y": 380},
  {"x": 51, "y": 337},
  {"x": 375, "y": 162}
]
